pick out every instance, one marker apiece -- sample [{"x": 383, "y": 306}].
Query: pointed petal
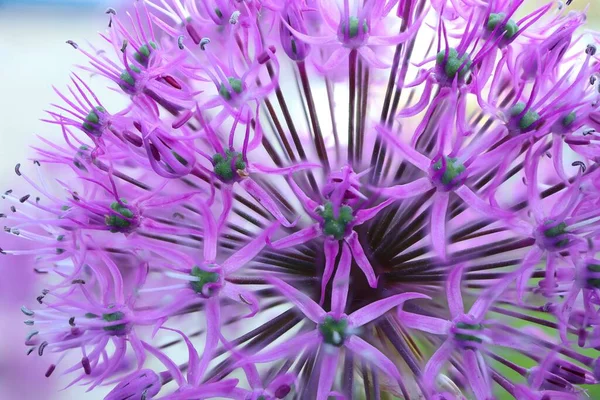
[
  {"x": 407, "y": 190},
  {"x": 481, "y": 388},
  {"x": 368, "y": 352},
  {"x": 210, "y": 233},
  {"x": 331, "y": 248},
  {"x": 284, "y": 170},
  {"x": 405, "y": 151},
  {"x": 435, "y": 363},
  {"x": 454, "y": 292},
  {"x": 282, "y": 380},
  {"x": 375, "y": 310},
  {"x": 213, "y": 329},
  {"x": 424, "y": 323},
  {"x": 222, "y": 389},
  {"x": 291, "y": 347},
  {"x": 327, "y": 373},
  {"x": 318, "y": 40},
  {"x": 265, "y": 200},
  {"x": 244, "y": 255},
  {"x": 336, "y": 58},
  {"x": 296, "y": 238},
  {"x": 309, "y": 204},
  {"x": 306, "y": 305},
  {"x": 400, "y": 38},
  {"x": 361, "y": 259},
  {"x": 341, "y": 282},
  {"x": 438, "y": 224},
  {"x": 371, "y": 58},
  {"x": 477, "y": 204},
  {"x": 193, "y": 359},
  {"x": 237, "y": 293},
  {"x": 366, "y": 214},
  {"x": 167, "y": 362}
]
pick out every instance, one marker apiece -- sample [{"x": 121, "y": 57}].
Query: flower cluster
[{"x": 306, "y": 199}]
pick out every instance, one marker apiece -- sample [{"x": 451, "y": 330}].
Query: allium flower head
[{"x": 318, "y": 198}]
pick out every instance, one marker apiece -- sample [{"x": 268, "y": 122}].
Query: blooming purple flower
[{"x": 220, "y": 237}]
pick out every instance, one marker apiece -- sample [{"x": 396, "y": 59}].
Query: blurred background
[{"x": 33, "y": 57}]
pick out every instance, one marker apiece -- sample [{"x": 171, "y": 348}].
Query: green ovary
[
  {"x": 142, "y": 55},
  {"x": 235, "y": 84},
  {"x": 204, "y": 277},
  {"x": 594, "y": 282},
  {"x": 336, "y": 227},
  {"x": 510, "y": 29},
  {"x": 93, "y": 119},
  {"x": 116, "y": 316},
  {"x": 115, "y": 221},
  {"x": 353, "y": 27},
  {"x": 471, "y": 327},
  {"x": 334, "y": 331},
  {"x": 454, "y": 63},
  {"x": 528, "y": 119},
  {"x": 223, "y": 165},
  {"x": 452, "y": 171}
]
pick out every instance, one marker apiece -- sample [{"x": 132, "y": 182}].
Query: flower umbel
[{"x": 265, "y": 199}]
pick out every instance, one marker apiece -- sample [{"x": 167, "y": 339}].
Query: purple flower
[{"x": 305, "y": 219}]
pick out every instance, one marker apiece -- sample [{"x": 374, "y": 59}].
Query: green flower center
[
  {"x": 469, "y": 327},
  {"x": 115, "y": 221},
  {"x": 334, "y": 331},
  {"x": 116, "y": 316},
  {"x": 204, "y": 277},
  {"x": 92, "y": 120},
  {"x": 235, "y": 84},
  {"x": 332, "y": 226},
  {"x": 554, "y": 232},
  {"x": 353, "y": 26},
  {"x": 226, "y": 167},
  {"x": 452, "y": 169},
  {"x": 510, "y": 29},
  {"x": 454, "y": 64},
  {"x": 127, "y": 78},
  {"x": 595, "y": 269},
  {"x": 143, "y": 54},
  {"x": 569, "y": 119},
  {"x": 527, "y": 119}
]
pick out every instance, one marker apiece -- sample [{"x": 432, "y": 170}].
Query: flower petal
[
  {"x": 435, "y": 363},
  {"x": 375, "y": 310},
  {"x": 477, "y": 204},
  {"x": 361, "y": 259},
  {"x": 371, "y": 58},
  {"x": 476, "y": 377},
  {"x": 331, "y": 248},
  {"x": 328, "y": 370},
  {"x": 265, "y": 200},
  {"x": 366, "y": 214},
  {"x": 424, "y": 323},
  {"x": 296, "y": 238},
  {"x": 405, "y": 151},
  {"x": 284, "y": 170},
  {"x": 407, "y": 190},
  {"x": 213, "y": 330},
  {"x": 291, "y": 347},
  {"x": 306, "y": 305},
  {"x": 244, "y": 255},
  {"x": 454, "y": 292},
  {"x": 336, "y": 58},
  {"x": 341, "y": 282},
  {"x": 438, "y": 223},
  {"x": 367, "y": 352}
]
